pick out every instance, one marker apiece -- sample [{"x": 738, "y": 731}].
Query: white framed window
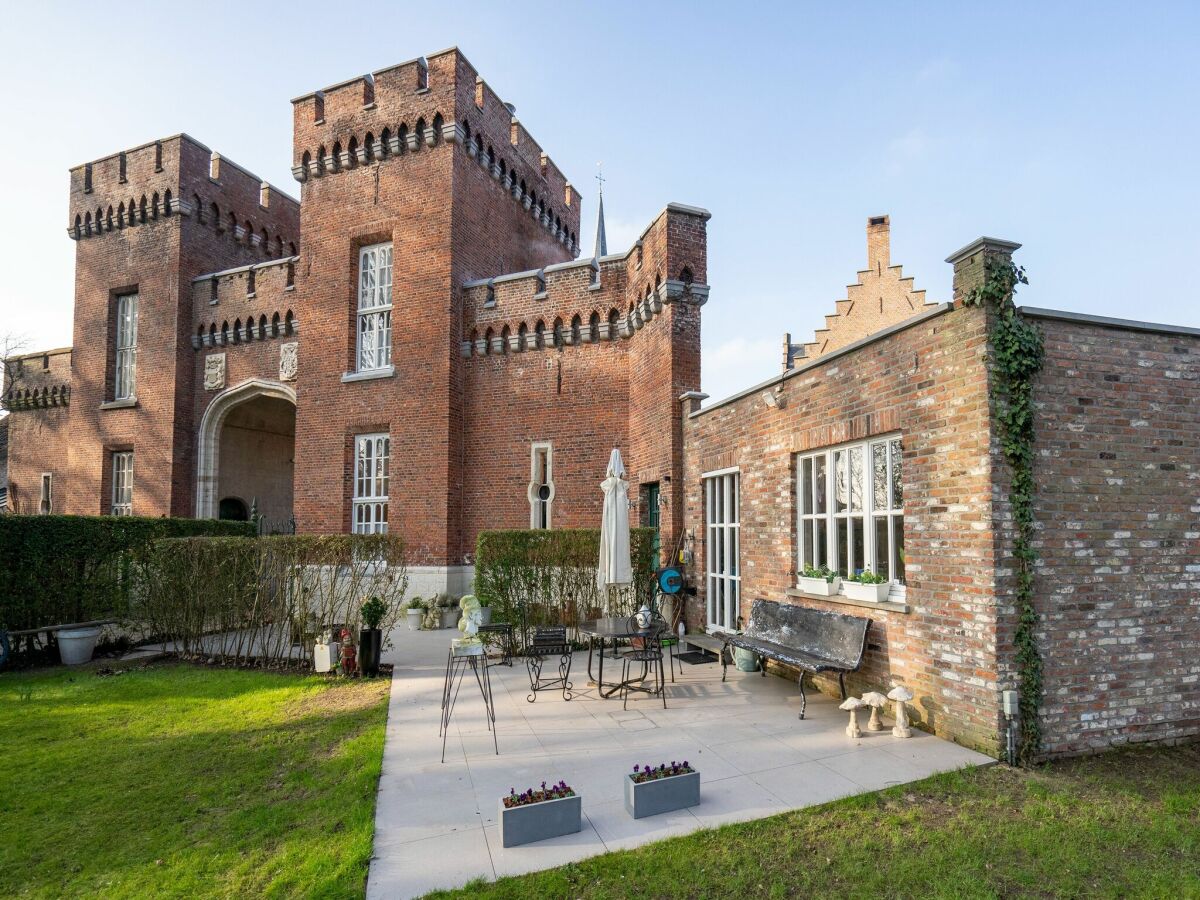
[
  {"x": 372, "y": 453},
  {"x": 850, "y": 508},
  {"x": 374, "y": 307},
  {"x": 46, "y": 503},
  {"x": 722, "y": 548},
  {"x": 122, "y": 483},
  {"x": 541, "y": 485},
  {"x": 125, "y": 360}
]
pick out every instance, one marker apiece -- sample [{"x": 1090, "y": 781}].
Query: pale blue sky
[{"x": 1071, "y": 129}]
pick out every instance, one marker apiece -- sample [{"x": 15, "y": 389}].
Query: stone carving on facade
[
  {"x": 214, "y": 372},
  {"x": 289, "y": 359}
]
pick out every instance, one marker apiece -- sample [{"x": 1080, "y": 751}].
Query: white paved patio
[{"x": 435, "y": 824}]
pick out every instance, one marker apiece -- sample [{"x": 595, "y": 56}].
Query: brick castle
[{"x": 421, "y": 345}]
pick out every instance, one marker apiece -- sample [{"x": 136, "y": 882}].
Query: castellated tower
[
  {"x": 416, "y": 347},
  {"x": 511, "y": 368},
  {"x": 145, "y": 222}
]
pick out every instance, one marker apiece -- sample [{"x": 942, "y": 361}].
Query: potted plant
[
  {"x": 651, "y": 790},
  {"x": 370, "y": 638},
  {"x": 745, "y": 660},
  {"x": 76, "y": 645},
  {"x": 449, "y": 611},
  {"x": 415, "y": 611},
  {"x": 867, "y": 586},
  {"x": 819, "y": 580},
  {"x": 538, "y": 814}
]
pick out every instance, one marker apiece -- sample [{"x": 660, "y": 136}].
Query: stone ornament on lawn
[
  {"x": 876, "y": 701},
  {"x": 853, "y": 704},
  {"x": 901, "y": 695}
]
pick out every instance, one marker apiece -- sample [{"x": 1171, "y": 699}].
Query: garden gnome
[
  {"x": 853, "y": 705},
  {"x": 349, "y": 653},
  {"x": 876, "y": 701},
  {"x": 901, "y": 695}
]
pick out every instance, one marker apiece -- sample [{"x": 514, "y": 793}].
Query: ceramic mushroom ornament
[
  {"x": 877, "y": 702},
  {"x": 901, "y": 695},
  {"x": 853, "y": 705}
]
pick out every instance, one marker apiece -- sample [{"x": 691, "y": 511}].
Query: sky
[{"x": 1069, "y": 127}]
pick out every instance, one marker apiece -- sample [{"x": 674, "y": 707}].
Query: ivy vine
[{"x": 1017, "y": 358}]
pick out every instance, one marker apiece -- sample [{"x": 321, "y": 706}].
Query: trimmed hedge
[
  {"x": 548, "y": 577},
  {"x": 56, "y": 570},
  {"x": 264, "y": 601}
]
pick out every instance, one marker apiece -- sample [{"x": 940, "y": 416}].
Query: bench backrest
[{"x": 833, "y": 636}]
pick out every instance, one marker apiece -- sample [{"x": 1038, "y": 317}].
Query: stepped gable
[{"x": 883, "y": 297}]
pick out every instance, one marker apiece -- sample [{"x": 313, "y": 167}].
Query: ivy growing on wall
[{"x": 1017, "y": 358}]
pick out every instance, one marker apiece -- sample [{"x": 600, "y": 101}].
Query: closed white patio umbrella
[{"x": 615, "y": 567}]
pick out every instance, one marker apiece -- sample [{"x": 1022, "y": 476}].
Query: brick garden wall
[
  {"x": 1118, "y": 509},
  {"x": 928, "y": 382}
]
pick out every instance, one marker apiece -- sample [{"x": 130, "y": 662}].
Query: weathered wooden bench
[{"x": 812, "y": 640}]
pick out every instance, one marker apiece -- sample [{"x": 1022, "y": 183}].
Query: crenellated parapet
[
  {"x": 179, "y": 176},
  {"x": 431, "y": 105},
  {"x": 37, "y": 380},
  {"x": 584, "y": 301},
  {"x": 244, "y": 304}
]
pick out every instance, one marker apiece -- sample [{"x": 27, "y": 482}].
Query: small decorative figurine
[
  {"x": 876, "y": 701},
  {"x": 469, "y": 622},
  {"x": 349, "y": 653},
  {"x": 901, "y": 695},
  {"x": 852, "y": 705}
]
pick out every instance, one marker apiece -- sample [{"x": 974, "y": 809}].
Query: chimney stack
[{"x": 879, "y": 251}]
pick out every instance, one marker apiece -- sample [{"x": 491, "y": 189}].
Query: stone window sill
[
  {"x": 370, "y": 375},
  {"x": 889, "y": 605},
  {"x": 127, "y": 403}
]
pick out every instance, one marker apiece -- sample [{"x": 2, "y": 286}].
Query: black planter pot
[{"x": 370, "y": 643}]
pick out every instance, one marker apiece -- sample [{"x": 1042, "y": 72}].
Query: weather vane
[{"x": 600, "y": 176}]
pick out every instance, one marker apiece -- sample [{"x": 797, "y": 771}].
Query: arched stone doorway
[{"x": 247, "y": 449}]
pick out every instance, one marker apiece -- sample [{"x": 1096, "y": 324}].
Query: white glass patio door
[{"x": 722, "y": 527}]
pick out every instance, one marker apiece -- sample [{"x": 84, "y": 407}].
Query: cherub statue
[{"x": 468, "y": 624}]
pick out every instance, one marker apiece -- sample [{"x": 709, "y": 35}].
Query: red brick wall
[
  {"x": 929, "y": 383},
  {"x": 587, "y": 396},
  {"x": 157, "y": 255},
  {"x": 38, "y": 398},
  {"x": 1118, "y": 582}
]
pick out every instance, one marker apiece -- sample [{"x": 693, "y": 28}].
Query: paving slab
[{"x": 435, "y": 823}]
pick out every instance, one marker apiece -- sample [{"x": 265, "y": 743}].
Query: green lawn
[
  {"x": 1125, "y": 824},
  {"x": 173, "y": 780}
]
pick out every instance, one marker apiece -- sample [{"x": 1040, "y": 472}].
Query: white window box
[
  {"x": 870, "y": 593},
  {"x": 820, "y": 586}
]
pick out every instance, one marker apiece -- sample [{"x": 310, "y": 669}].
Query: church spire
[{"x": 601, "y": 248}]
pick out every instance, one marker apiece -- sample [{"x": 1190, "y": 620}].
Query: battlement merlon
[
  {"x": 116, "y": 174},
  {"x": 666, "y": 264},
  {"x": 267, "y": 281},
  {"x": 392, "y": 111}
]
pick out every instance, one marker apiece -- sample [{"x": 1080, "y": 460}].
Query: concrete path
[{"x": 436, "y": 824}]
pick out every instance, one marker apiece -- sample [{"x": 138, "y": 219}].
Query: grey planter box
[
  {"x": 650, "y": 798},
  {"x": 539, "y": 821}
]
